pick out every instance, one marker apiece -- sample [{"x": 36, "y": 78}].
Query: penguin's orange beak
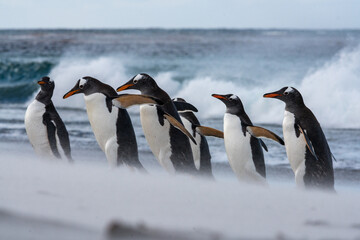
[
  {"x": 124, "y": 87},
  {"x": 218, "y": 96},
  {"x": 272, "y": 95},
  {"x": 41, "y": 82},
  {"x": 70, "y": 93}
]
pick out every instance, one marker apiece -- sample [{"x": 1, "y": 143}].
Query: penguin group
[{"x": 175, "y": 135}]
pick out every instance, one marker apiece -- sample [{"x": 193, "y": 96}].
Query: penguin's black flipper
[
  {"x": 308, "y": 142},
  {"x": 51, "y": 131},
  {"x": 128, "y": 100},
  {"x": 184, "y": 106},
  {"x": 208, "y": 131},
  {"x": 61, "y": 131},
  {"x": 263, "y": 145},
  {"x": 179, "y": 126},
  {"x": 262, "y": 132}
]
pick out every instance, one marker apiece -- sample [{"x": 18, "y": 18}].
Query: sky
[{"x": 299, "y": 14}]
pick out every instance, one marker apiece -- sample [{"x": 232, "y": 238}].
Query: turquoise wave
[{"x": 18, "y": 79}]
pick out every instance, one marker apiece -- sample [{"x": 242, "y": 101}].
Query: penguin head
[
  {"x": 232, "y": 102},
  {"x": 289, "y": 95},
  {"x": 46, "y": 85},
  {"x": 85, "y": 85},
  {"x": 142, "y": 82},
  {"x": 46, "y": 90}
]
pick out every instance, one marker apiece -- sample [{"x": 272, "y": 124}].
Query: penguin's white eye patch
[
  {"x": 82, "y": 82},
  {"x": 288, "y": 90},
  {"x": 233, "y": 97},
  {"x": 137, "y": 78}
]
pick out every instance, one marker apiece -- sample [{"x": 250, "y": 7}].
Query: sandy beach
[{"x": 55, "y": 200}]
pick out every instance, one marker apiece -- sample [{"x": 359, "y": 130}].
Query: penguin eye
[
  {"x": 286, "y": 93},
  {"x": 81, "y": 86},
  {"x": 135, "y": 81}
]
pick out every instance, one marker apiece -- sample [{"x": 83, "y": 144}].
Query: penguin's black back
[
  {"x": 126, "y": 139},
  {"x": 52, "y": 115},
  {"x": 205, "y": 156},
  {"x": 181, "y": 156},
  {"x": 318, "y": 173}
]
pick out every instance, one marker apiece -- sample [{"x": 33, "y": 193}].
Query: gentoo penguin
[
  {"x": 201, "y": 152},
  {"x": 306, "y": 146},
  {"x": 243, "y": 148},
  {"x": 170, "y": 146},
  {"x": 112, "y": 126},
  {"x": 44, "y": 127}
]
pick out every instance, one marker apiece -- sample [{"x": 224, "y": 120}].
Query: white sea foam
[
  {"x": 107, "y": 69},
  {"x": 331, "y": 91}
]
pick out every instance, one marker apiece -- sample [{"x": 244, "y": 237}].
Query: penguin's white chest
[
  {"x": 238, "y": 148},
  {"x": 295, "y": 146},
  {"x": 36, "y": 129},
  {"x": 157, "y": 135},
  {"x": 103, "y": 123},
  {"x": 194, "y": 147}
]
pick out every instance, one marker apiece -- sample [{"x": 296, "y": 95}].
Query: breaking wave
[{"x": 331, "y": 91}]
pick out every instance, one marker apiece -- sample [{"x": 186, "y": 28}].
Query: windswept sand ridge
[{"x": 14, "y": 226}]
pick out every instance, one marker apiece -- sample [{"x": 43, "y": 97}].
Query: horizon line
[{"x": 174, "y": 28}]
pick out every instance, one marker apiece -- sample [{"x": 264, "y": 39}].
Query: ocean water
[{"x": 193, "y": 64}]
